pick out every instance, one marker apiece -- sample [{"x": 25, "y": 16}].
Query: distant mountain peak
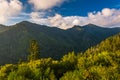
[
  {"x": 31, "y": 23},
  {"x": 1, "y": 25},
  {"x": 91, "y": 25},
  {"x": 24, "y": 22},
  {"x": 77, "y": 27}
]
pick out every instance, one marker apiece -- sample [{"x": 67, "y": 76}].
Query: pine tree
[{"x": 34, "y": 50}]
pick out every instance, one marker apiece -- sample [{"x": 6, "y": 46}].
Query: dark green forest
[
  {"x": 54, "y": 42},
  {"x": 101, "y": 62}
]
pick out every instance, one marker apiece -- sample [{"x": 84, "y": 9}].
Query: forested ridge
[
  {"x": 54, "y": 42},
  {"x": 97, "y": 63}
]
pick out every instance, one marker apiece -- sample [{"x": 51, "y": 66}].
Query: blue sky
[
  {"x": 82, "y": 7},
  {"x": 79, "y": 7},
  {"x": 61, "y": 13}
]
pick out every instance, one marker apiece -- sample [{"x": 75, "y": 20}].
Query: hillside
[
  {"x": 100, "y": 65},
  {"x": 54, "y": 42},
  {"x": 111, "y": 44}
]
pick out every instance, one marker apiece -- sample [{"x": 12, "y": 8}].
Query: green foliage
[
  {"x": 70, "y": 57},
  {"x": 75, "y": 75},
  {"x": 111, "y": 44},
  {"x": 5, "y": 70},
  {"x": 97, "y": 65},
  {"x": 34, "y": 51},
  {"x": 69, "y": 61}
]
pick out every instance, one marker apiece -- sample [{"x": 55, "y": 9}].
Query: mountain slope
[
  {"x": 54, "y": 42},
  {"x": 90, "y": 35},
  {"x": 111, "y": 44},
  {"x": 101, "y": 65}
]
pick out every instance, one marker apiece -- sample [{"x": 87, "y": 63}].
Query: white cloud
[
  {"x": 37, "y": 17},
  {"x": 106, "y": 18},
  {"x": 45, "y": 4},
  {"x": 8, "y": 9},
  {"x": 76, "y": 22},
  {"x": 107, "y": 12}
]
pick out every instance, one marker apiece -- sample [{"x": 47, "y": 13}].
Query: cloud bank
[
  {"x": 37, "y": 17},
  {"x": 8, "y": 9},
  {"x": 106, "y": 18}
]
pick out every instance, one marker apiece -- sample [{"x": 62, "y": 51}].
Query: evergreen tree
[{"x": 34, "y": 50}]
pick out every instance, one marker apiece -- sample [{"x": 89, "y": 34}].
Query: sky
[{"x": 61, "y": 13}]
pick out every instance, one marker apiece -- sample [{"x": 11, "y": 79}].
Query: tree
[{"x": 34, "y": 50}]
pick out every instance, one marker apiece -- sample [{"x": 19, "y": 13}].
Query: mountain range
[{"x": 54, "y": 42}]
